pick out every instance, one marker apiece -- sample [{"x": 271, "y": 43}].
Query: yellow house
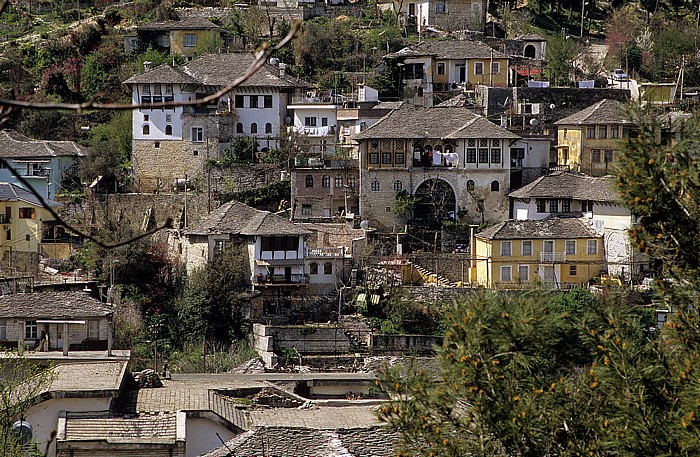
[
  {"x": 185, "y": 37},
  {"x": 22, "y": 220},
  {"x": 589, "y": 140},
  {"x": 560, "y": 252}
]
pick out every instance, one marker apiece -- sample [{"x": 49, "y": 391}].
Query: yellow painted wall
[
  {"x": 21, "y": 227},
  {"x": 569, "y": 136},
  {"x": 499, "y": 79},
  {"x": 580, "y": 148},
  {"x": 177, "y": 41}
]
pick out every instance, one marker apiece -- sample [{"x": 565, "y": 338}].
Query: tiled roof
[
  {"x": 190, "y": 23},
  {"x": 438, "y": 122},
  {"x": 451, "y": 50},
  {"x": 236, "y": 218},
  {"x": 104, "y": 426},
  {"x": 52, "y": 305},
  {"x": 15, "y": 145},
  {"x": 217, "y": 70},
  {"x": 563, "y": 184},
  {"x": 88, "y": 376},
  {"x": 13, "y": 193},
  {"x": 304, "y": 442},
  {"x": 531, "y": 37},
  {"x": 550, "y": 228},
  {"x": 605, "y": 111}
]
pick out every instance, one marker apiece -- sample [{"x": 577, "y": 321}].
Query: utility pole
[{"x": 583, "y": 6}]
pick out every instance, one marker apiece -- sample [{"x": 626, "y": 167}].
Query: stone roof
[
  {"x": 303, "y": 442},
  {"x": 459, "y": 100},
  {"x": 52, "y": 305},
  {"x": 550, "y": 228},
  {"x": 189, "y": 23},
  {"x": 236, "y": 218},
  {"x": 564, "y": 184},
  {"x": 437, "y": 122},
  {"x": 450, "y": 50},
  {"x": 531, "y": 37},
  {"x": 217, "y": 70},
  {"x": 15, "y": 145},
  {"x": 109, "y": 428},
  {"x": 13, "y": 193},
  {"x": 605, "y": 111},
  {"x": 88, "y": 377}
]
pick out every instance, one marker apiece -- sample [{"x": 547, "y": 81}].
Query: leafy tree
[
  {"x": 109, "y": 152},
  {"x": 561, "y": 54}
]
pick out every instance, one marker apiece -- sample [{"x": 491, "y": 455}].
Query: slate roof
[
  {"x": 217, "y": 70},
  {"x": 531, "y": 37},
  {"x": 563, "y": 184},
  {"x": 15, "y": 145},
  {"x": 450, "y": 50},
  {"x": 437, "y": 122},
  {"x": 104, "y": 426},
  {"x": 13, "y": 193},
  {"x": 103, "y": 377},
  {"x": 550, "y": 228},
  {"x": 236, "y": 218},
  {"x": 605, "y": 111},
  {"x": 190, "y": 23},
  {"x": 52, "y": 305},
  {"x": 303, "y": 442}
]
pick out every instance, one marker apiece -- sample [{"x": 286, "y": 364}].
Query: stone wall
[{"x": 403, "y": 344}]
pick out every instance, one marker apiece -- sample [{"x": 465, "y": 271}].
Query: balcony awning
[{"x": 279, "y": 262}]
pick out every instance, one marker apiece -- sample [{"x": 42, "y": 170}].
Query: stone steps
[{"x": 430, "y": 277}]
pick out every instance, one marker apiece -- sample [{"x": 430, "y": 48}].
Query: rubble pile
[
  {"x": 147, "y": 378},
  {"x": 251, "y": 366}
]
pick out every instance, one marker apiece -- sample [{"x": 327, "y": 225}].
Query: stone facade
[{"x": 322, "y": 192}]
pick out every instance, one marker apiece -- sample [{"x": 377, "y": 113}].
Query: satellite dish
[
  {"x": 534, "y": 121},
  {"x": 364, "y": 224},
  {"x": 23, "y": 431},
  {"x": 552, "y": 106}
]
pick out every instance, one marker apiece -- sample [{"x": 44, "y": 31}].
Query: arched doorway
[
  {"x": 529, "y": 51},
  {"x": 436, "y": 201}
]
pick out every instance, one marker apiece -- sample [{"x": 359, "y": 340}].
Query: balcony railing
[
  {"x": 325, "y": 252},
  {"x": 552, "y": 257},
  {"x": 281, "y": 280},
  {"x": 4, "y": 219}
]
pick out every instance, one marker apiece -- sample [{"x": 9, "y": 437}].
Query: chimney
[
  {"x": 282, "y": 67},
  {"x": 147, "y": 65}
]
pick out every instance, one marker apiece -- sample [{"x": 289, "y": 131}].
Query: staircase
[
  {"x": 428, "y": 277},
  {"x": 358, "y": 332}
]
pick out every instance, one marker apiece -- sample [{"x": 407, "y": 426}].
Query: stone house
[
  {"x": 448, "y": 15},
  {"x": 55, "y": 321},
  {"x": 42, "y": 163},
  {"x": 595, "y": 199},
  {"x": 589, "y": 140},
  {"x": 169, "y": 144},
  {"x": 560, "y": 252},
  {"x": 315, "y": 122},
  {"x": 453, "y": 161},
  {"x": 443, "y": 68},
  {"x": 327, "y": 190}
]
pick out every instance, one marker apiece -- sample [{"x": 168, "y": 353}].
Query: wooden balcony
[{"x": 552, "y": 257}]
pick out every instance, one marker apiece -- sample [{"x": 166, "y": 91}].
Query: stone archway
[
  {"x": 529, "y": 51},
  {"x": 436, "y": 201}
]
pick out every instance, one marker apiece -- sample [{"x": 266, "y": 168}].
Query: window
[
  {"x": 553, "y": 205},
  {"x": 168, "y": 89},
  {"x": 566, "y": 132},
  {"x": 338, "y": 181},
  {"x": 375, "y": 186},
  {"x": 506, "y": 273},
  {"x": 483, "y": 155},
  {"x": 517, "y": 155},
  {"x": 527, "y": 247},
  {"x": 156, "y": 144},
  {"x": 470, "y": 185},
  {"x": 326, "y": 181},
  {"x": 279, "y": 243},
  {"x": 471, "y": 155},
  {"x": 146, "y": 130},
  {"x": 608, "y": 156},
  {"x": 441, "y": 68},
  {"x": 268, "y": 128},
  {"x": 586, "y": 205},
  {"x": 195, "y": 153},
  {"x": 253, "y": 101},
  {"x": 399, "y": 158},
  {"x": 27, "y": 213},
  {"x": 495, "y": 186},
  {"x": 93, "y": 330},
  {"x": 572, "y": 270},
  {"x": 168, "y": 129},
  {"x": 524, "y": 272},
  {"x": 478, "y": 68},
  {"x": 602, "y": 132},
  {"x": 313, "y": 268},
  {"x": 30, "y": 330},
  {"x": 267, "y": 101},
  {"x": 614, "y": 132},
  {"x": 3, "y": 330},
  {"x": 592, "y": 247},
  {"x": 386, "y": 158},
  {"x": 541, "y": 203},
  {"x": 398, "y": 185},
  {"x": 8, "y": 234},
  {"x": 239, "y": 127},
  {"x": 495, "y": 156},
  {"x": 595, "y": 155},
  {"x": 197, "y": 135},
  {"x": 190, "y": 40},
  {"x": 440, "y": 6},
  {"x": 327, "y": 268},
  {"x": 157, "y": 90},
  {"x": 590, "y": 132},
  {"x": 495, "y": 68},
  {"x": 146, "y": 89},
  {"x": 240, "y": 101},
  {"x": 566, "y": 206},
  {"x": 27, "y": 237},
  {"x": 505, "y": 248},
  {"x": 306, "y": 209},
  {"x": 146, "y": 118},
  {"x": 570, "y": 247},
  {"x": 310, "y": 121},
  {"x": 351, "y": 182},
  {"x": 324, "y": 122},
  {"x": 253, "y": 128},
  {"x": 309, "y": 181},
  {"x": 168, "y": 118}
]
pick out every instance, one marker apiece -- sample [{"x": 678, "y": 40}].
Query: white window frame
[
  {"x": 592, "y": 247},
  {"x": 522, "y": 248},
  {"x": 476, "y": 64},
  {"x": 526, "y": 276},
  {"x": 197, "y": 134},
  {"x": 506, "y": 277},
  {"x": 93, "y": 329},
  {"x": 189, "y": 40},
  {"x": 441, "y": 66},
  {"x": 509, "y": 249},
  {"x": 566, "y": 247},
  {"x": 496, "y": 68},
  {"x": 31, "y": 330}
]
